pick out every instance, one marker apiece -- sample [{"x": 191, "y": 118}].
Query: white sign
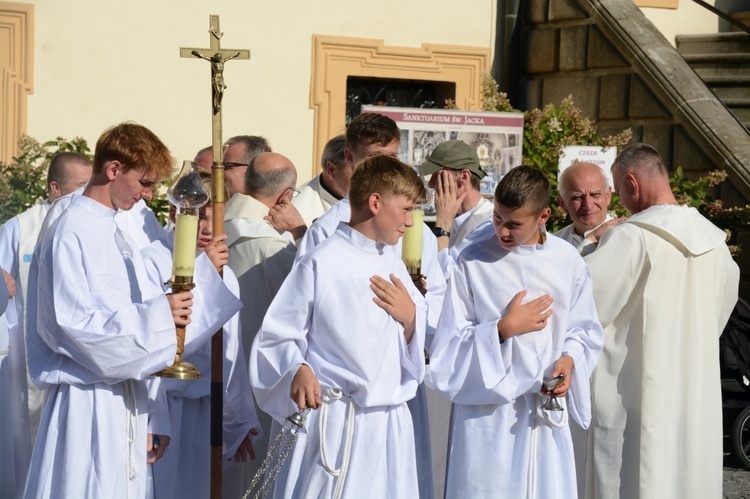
[{"x": 604, "y": 157}]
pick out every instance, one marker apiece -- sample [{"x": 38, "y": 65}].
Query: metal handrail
[{"x": 744, "y": 27}]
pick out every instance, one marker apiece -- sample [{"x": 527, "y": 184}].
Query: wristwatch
[{"x": 440, "y": 232}]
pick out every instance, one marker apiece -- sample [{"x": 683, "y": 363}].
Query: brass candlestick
[{"x": 188, "y": 194}]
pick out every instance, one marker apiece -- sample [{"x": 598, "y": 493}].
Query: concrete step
[
  {"x": 731, "y": 93},
  {"x": 714, "y": 43},
  {"x": 719, "y": 64}
]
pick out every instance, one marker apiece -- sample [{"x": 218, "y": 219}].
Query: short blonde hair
[
  {"x": 386, "y": 176},
  {"x": 136, "y": 147}
]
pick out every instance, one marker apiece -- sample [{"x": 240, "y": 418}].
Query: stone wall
[{"x": 570, "y": 47}]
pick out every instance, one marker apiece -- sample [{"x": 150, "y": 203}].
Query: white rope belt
[
  {"x": 331, "y": 395},
  {"x": 131, "y": 423},
  {"x": 538, "y": 401}
]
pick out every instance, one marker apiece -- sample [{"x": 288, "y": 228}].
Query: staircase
[{"x": 722, "y": 60}]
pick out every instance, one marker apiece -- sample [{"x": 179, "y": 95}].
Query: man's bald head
[
  {"x": 584, "y": 195},
  {"x": 269, "y": 176}
]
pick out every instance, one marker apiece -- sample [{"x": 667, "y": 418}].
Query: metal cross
[{"x": 217, "y": 57}]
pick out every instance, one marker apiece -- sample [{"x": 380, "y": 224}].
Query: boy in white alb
[
  {"x": 352, "y": 354},
  {"x": 492, "y": 351},
  {"x": 101, "y": 328}
]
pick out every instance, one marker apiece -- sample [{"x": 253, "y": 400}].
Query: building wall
[{"x": 100, "y": 62}]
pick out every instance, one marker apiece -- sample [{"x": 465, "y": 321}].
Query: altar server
[
  {"x": 100, "y": 328},
  {"x": 520, "y": 309},
  {"x": 345, "y": 337}
]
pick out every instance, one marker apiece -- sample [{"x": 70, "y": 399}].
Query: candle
[
  {"x": 411, "y": 247},
  {"x": 185, "y": 234}
]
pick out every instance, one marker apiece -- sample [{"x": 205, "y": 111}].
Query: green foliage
[
  {"x": 159, "y": 203},
  {"x": 23, "y": 182},
  {"x": 700, "y": 195}
]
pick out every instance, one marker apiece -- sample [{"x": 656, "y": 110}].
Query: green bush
[{"x": 23, "y": 182}]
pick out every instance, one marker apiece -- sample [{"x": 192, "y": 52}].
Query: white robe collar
[
  {"x": 681, "y": 226},
  {"x": 359, "y": 240}
]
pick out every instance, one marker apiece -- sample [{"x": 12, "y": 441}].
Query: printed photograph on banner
[{"x": 497, "y": 137}]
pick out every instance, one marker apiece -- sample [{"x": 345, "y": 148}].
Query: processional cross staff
[{"x": 217, "y": 57}]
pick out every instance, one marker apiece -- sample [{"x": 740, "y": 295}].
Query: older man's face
[
  {"x": 586, "y": 198},
  {"x": 234, "y": 175}
]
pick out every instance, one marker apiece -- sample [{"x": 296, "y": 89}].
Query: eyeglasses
[
  {"x": 228, "y": 165},
  {"x": 295, "y": 192}
]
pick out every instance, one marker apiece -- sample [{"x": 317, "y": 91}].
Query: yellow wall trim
[
  {"x": 16, "y": 73},
  {"x": 659, "y": 4},
  {"x": 335, "y": 58}
]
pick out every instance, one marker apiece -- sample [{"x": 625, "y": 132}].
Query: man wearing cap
[{"x": 455, "y": 175}]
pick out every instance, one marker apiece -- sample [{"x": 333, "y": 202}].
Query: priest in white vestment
[
  {"x": 323, "y": 191},
  {"x": 491, "y": 364},
  {"x": 100, "y": 329},
  {"x": 345, "y": 336},
  {"x": 184, "y": 471},
  {"x": 665, "y": 286}
]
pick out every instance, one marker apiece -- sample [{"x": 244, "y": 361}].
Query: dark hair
[
  {"x": 58, "y": 171},
  {"x": 255, "y": 145},
  {"x": 371, "y": 128},
  {"x": 524, "y": 186},
  {"x": 641, "y": 158},
  {"x": 136, "y": 147},
  {"x": 386, "y": 176}
]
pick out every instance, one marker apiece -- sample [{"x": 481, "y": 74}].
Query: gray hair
[
  {"x": 334, "y": 152},
  {"x": 261, "y": 184},
  {"x": 255, "y": 144},
  {"x": 642, "y": 159}
]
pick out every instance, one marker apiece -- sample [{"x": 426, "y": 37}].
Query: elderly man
[
  {"x": 585, "y": 195},
  {"x": 665, "y": 285},
  {"x": 238, "y": 152},
  {"x": 318, "y": 195},
  {"x": 261, "y": 257},
  {"x": 455, "y": 175}
]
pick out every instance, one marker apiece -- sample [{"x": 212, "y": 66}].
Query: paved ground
[{"x": 736, "y": 479}]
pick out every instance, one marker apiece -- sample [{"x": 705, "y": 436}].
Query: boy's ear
[
  {"x": 544, "y": 216},
  {"x": 374, "y": 202},
  {"x": 110, "y": 169}
]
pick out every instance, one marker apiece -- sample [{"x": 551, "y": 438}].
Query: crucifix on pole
[{"x": 217, "y": 57}]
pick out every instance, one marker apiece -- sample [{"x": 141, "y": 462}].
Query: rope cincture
[
  {"x": 331, "y": 395},
  {"x": 131, "y": 426}
]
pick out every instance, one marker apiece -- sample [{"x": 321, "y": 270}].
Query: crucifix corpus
[{"x": 217, "y": 57}]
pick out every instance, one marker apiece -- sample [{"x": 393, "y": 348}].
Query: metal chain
[{"x": 286, "y": 438}]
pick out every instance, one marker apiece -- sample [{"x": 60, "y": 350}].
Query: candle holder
[
  {"x": 411, "y": 245},
  {"x": 188, "y": 195}
]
